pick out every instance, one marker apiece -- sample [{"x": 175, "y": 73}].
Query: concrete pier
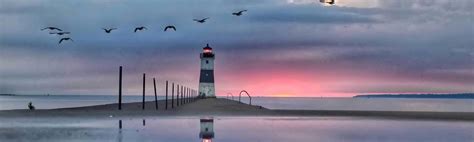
[{"x": 223, "y": 107}]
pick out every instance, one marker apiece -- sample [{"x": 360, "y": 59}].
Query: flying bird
[
  {"x": 66, "y": 38},
  {"x": 111, "y": 29},
  {"x": 239, "y": 12},
  {"x": 51, "y": 28},
  {"x": 60, "y": 33},
  {"x": 201, "y": 20},
  {"x": 140, "y": 28},
  {"x": 331, "y": 2},
  {"x": 170, "y": 27}
]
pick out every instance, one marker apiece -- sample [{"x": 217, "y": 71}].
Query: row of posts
[{"x": 183, "y": 94}]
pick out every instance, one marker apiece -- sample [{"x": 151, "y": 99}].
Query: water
[
  {"x": 226, "y": 129},
  {"x": 378, "y": 104},
  {"x": 443, "y": 105},
  {"x": 233, "y": 129},
  {"x": 61, "y": 101}
]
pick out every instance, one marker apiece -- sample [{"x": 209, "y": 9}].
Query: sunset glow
[{"x": 286, "y": 48}]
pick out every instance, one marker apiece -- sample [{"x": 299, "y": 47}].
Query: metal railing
[
  {"x": 230, "y": 95},
  {"x": 240, "y": 95}
]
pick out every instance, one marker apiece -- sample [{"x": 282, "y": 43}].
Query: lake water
[
  {"x": 450, "y": 105},
  {"x": 235, "y": 129}
]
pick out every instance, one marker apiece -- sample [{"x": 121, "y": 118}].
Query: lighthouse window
[{"x": 207, "y": 61}]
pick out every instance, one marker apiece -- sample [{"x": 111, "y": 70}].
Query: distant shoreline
[
  {"x": 420, "y": 96},
  {"x": 8, "y": 95}
]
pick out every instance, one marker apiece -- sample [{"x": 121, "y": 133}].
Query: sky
[{"x": 278, "y": 48}]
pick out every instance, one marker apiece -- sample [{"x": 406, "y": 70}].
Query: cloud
[
  {"x": 414, "y": 41},
  {"x": 308, "y": 14}
]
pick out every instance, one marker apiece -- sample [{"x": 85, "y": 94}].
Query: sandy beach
[{"x": 221, "y": 107}]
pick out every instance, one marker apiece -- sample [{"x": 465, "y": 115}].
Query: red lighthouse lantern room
[{"x": 207, "y": 51}]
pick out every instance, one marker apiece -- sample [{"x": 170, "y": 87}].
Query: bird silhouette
[
  {"x": 66, "y": 38},
  {"x": 201, "y": 20},
  {"x": 110, "y": 30},
  {"x": 51, "y": 28},
  {"x": 239, "y": 13},
  {"x": 331, "y": 2},
  {"x": 170, "y": 27},
  {"x": 60, "y": 33},
  {"x": 140, "y": 28}
]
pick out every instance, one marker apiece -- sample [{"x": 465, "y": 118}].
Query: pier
[{"x": 222, "y": 107}]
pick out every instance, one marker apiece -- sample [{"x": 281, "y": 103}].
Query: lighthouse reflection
[{"x": 207, "y": 129}]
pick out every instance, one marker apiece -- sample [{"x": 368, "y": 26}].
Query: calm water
[
  {"x": 61, "y": 101},
  {"x": 224, "y": 129},
  {"x": 445, "y": 105},
  {"x": 58, "y": 101}
]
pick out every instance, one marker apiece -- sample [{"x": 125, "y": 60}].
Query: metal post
[
  {"x": 156, "y": 97},
  {"x": 177, "y": 96},
  {"x": 185, "y": 93},
  {"x": 182, "y": 91},
  {"x": 166, "y": 97},
  {"x": 120, "y": 89},
  {"x": 143, "y": 98},
  {"x": 120, "y": 124},
  {"x": 172, "y": 95}
]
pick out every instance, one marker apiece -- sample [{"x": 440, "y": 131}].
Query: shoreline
[{"x": 222, "y": 107}]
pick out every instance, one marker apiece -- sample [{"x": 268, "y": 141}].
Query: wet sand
[{"x": 221, "y": 107}]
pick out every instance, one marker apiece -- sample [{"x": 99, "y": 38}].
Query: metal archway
[
  {"x": 240, "y": 95},
  {"x": 230, "y": 95}
]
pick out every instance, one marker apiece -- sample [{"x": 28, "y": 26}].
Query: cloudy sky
[{"x": 277, "y": 48}]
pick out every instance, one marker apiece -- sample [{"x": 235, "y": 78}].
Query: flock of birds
[{"x": 58, "y": 31}]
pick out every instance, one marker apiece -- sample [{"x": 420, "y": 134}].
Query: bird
[
  {"x": 66, "y": 38},
  {"x": 331, "y": 2},
  {"x": 170, "y": 27},
  {"x": 60, "y": 33},
  {"x": 239, "y": 12},
  {"x": 201, "y": 20},
  {"x": 110, "y": 30},
  {"x": 51, "y": 28},
  {"x": 140, "y": 28}
]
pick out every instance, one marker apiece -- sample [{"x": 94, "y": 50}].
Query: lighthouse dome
[{"x": 207, "y": 49}]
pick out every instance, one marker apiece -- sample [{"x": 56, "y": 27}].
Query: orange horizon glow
[{"x": 289, "y": 83}]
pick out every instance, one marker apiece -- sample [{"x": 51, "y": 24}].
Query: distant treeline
[
  {"x": 7, "y": 94},
  {"x": 439, "y": 96}
]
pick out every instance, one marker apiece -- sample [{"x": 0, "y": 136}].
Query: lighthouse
[
  {"x": 206, "y": 78},
  {"x": 207, "y": 130}
]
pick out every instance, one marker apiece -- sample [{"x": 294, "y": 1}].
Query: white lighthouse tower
[
  {"x": 207, "y": 130},
  {"x": 206, "y": 79}
]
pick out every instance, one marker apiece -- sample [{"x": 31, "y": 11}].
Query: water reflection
[
  {"x": 207, "y": 129},
  {"x": 230, "y": 129}
]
